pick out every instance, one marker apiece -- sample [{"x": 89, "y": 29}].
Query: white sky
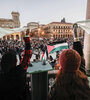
[{"x": 44, "y": 11}]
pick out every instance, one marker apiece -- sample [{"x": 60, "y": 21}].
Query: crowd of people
[
  {"x": 36, "y": 45},
  {"x": 13, "y": 76},
  {"x": 71, "y": 82}
]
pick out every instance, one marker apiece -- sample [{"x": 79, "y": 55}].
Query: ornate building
[
  {"x": 32, "y": 25},
  {"x": 11, "y": 23},
  {"x": 81, "y": 32},
  {"x": 55, "y": 30},
  {"x": 59, "y": 29}
]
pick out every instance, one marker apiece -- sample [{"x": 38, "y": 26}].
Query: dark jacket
[
  {"x": 78, "y": 47},
  {"x": 12, "y": 84},
  {"x": 82, "y": 66}
]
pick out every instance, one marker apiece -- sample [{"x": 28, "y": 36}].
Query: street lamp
[
  {"x": 43, "y": 33},
  {"x": 39, "y": 30},
  {"x": 75, "y": 32}
]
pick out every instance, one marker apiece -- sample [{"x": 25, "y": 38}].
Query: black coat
[{"x": 12, "y": 85}]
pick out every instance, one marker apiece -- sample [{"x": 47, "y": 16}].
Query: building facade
[
  {"x": 59, "y": 29},
  {"x": 11, "y": 23},
  {"x": 33, "y": 25},
  {"x": 81, "y": 32}
]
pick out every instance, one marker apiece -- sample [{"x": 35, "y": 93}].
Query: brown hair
[
  {"x": 72, "y": 85},
  {"x": 70, "y": 60}
]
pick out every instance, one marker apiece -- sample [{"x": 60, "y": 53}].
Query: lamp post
[{"x": 75, "y": 32}]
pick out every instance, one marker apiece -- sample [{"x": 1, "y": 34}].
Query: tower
[{"x": 15, "y": 17}]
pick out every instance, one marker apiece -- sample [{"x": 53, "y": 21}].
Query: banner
[{"x": 6, "y": 31}]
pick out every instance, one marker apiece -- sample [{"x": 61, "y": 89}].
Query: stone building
[
  {"x": 33, "y": 25},
  {"x": 81, "y": 32},
  {"x": 11, "y": 23},
  {"x": 59, "y": 29},
  {"x": 55, "y": 29}
]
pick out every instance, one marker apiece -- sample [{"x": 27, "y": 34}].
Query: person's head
[
  {"x": 8, "y": 61},
  {"x": 70, "y": 60},
  {"x": 78, "y": 47},
  {"x": 69, "y": 77}
]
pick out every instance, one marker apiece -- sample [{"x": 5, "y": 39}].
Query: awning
[
  {"x": 85, "y": 25},
  {"x": 6, "y": 31}
]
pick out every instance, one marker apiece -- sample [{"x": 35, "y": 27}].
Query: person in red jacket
[{"x": 13, "y": 77}]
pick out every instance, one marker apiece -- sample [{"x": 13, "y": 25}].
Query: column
[
  {"x": 87, "y": 42},
  {"x": 88, "y": 10}
]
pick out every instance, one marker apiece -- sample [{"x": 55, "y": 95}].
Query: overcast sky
[{"x": 44, "y": 11}]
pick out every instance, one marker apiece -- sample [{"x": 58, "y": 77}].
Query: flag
[{"x": 56, "y": 47}]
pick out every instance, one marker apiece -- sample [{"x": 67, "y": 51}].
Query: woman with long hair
[{"x": 71, "y": 83}]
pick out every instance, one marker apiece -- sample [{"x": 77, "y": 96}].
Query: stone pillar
[
  {"x": 87, "y": 52},
  {"x": 88, "y": 10},
  {"x": 87, "y": 42}
]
